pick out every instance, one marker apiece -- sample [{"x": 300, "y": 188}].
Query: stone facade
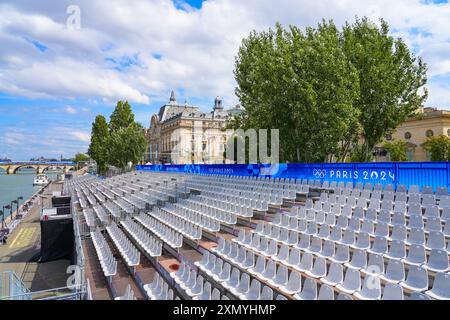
[
  {"x": 416, "y": 130},
  {"x": 182, "y": 134}
]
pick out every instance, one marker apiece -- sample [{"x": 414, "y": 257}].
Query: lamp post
[
  {"x": 7, "y": 207},
  {"x": 12, "y": 202},
  {"x": 18, "y": 205},
  {"x": 1, "y": 213}
]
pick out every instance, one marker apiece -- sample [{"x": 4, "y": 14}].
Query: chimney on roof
[{"x": 218, "y": 104}]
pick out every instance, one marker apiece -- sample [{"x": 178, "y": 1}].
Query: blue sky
[{"x": 55, "y": 79}]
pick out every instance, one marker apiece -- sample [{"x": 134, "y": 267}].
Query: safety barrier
[
  {"x": 80, "y": 232},
  {"x": 434, "y": 174},
  {"x": 12, "y": 288}
]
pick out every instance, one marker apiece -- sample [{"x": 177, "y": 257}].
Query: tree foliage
[
  {"x": 397, "y": 150},
  {"x": 330, "y": 92},
  {"x": 98, "y": 149},
  {"x": 439, "y": 147},
  {"x": 298, "y": 82},
  {"x": 126, "y": 142},
  {"x": 81, "y": 157},
  {"x": 390, "y": 77},
  {"x": 122, "y": 117},
  {"x": 119, "y": 142},
  {"x": 127, "y": 145}
]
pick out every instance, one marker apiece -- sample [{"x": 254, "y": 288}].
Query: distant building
[
  {"x": 182, "y": 134},
  {"x": 415, "y": 131}
]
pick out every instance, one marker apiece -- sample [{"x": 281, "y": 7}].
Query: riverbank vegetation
[{"x": 118, "y": 142}]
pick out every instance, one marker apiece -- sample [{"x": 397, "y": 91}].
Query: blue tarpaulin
[{"x": 434, "y": 174}]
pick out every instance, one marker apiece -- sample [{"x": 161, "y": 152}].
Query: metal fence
[
  {"x": 80, "y": 230},
  {"x": 434, "y": 174},
  {"x": 12, "y": 288}
]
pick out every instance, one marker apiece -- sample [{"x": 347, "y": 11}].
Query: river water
[{"x": 16, "y": 185}]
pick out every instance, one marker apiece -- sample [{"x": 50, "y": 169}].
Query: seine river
[{"x": 16, "y": 185}]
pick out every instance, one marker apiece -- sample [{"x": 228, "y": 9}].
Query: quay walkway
[{"x": 20, "y": 254}]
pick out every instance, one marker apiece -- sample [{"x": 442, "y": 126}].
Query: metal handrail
[
  {"x": 29, "y": 294},
  {"x": 10, "y": 283}
]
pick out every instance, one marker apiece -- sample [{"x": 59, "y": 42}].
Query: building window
[
  {"x": 448, "y": 132},
  {"x": 410, "y": 154},
  {"x": 408, "y": 135},
  {"x": 429, "y": 133},
  {"x": 389, "y": 137},
  {"x": 428, "y": 155}
]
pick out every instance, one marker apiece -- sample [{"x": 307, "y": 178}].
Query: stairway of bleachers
[{"x": 212, "y": 237}]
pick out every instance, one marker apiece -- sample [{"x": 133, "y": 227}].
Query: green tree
[
  {"x": 330, "y": 92},
  {"x": 127, "y": 140},
  {"x": 127, "y": 145},
  {"x": 397, "y": 150},
  {"x": 303, "y": 85},
  {"x": 391, "y": 80},
  {"x": 439, "y": 147},
  {"x": 81, "y": 157},
  {"x": 98, "y": 149},
  {"x": 122, "y": 117}
]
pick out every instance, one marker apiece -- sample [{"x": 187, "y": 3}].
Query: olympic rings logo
[{"x": 319, "y": 173}]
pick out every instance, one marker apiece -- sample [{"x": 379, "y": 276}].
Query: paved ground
[{"x": 22, "y": 250}]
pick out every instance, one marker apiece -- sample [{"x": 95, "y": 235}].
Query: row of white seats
[
  {"x": 128, "y": 295},
  {"x": 274, "y": 198},
  {"x": 173, "y": 238},
  {"x": 113, "y": 208},
  {"x": 234, "y": 205},
  {"x": 125, "y": 206},
  {"x": 266, "y": 269},
  {"x": 186, "y": 228},
  {"x": 411, "y": 221},
  {"x": 202, "y": 220},
  {"x": 361, "y": 239},
  {"x": 220, "y": 271},
  {"x": 104, "y": 253},
  {"x": 90, "y": 217},
  {"x": 218, "y": 202},
  {"x": 127, "y": 250},
  {"x": 158, "y": 289},
  {"x": 228, "y": 201},
  {"x": 150, "y": 244},
  {"x": 202, "y": 208},
  {"x": 438, "y": 260},
  {"x": 136, "y": 201},
  {"x": 102, "y": 215},
  {"x": 368, "y": 224},
  {"x": 414, "y": 232},
  {"x": 378, "y": 197}
]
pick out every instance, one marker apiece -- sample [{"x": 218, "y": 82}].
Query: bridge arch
[
  {"x": 25, "y": 166},
  {"x": 56, "y": 167},
  {"x": 12, "y": 168}
]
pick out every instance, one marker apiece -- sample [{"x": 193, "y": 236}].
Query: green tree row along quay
[
  {"x": 333, "y": 93},
  {"x": 119, "y": 142}
]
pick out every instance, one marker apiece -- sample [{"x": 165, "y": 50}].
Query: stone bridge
[{"x": 40, "y": 167}]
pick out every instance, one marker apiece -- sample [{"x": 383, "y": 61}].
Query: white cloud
[
  {"x": 81, "y": 136},
  {"x": 70, "y": 110},
  {"x": 197, "y": 48},
  {"x": 22, "y": 143}
]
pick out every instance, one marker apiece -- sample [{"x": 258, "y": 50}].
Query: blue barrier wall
[{"x": 434, "y": 174}]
